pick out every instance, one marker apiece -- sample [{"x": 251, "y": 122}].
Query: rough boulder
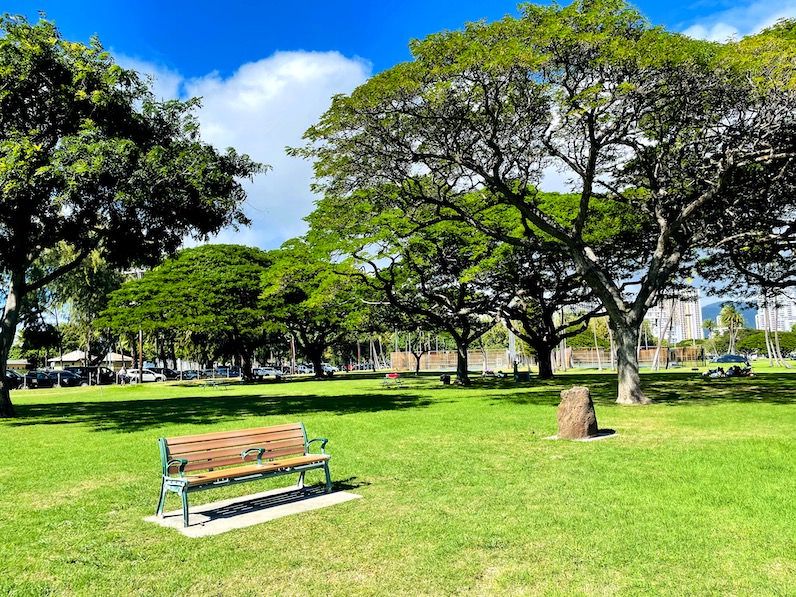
[{"x": 576, "y": 416}]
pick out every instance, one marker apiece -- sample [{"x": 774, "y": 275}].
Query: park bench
[
  {"x": 198, "y": 462},
  {"x": 221, "y": 383},
  {"x": 391, "y": 379}
]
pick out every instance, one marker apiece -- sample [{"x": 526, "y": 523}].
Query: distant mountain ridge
[{"x": 712, "y": 311}]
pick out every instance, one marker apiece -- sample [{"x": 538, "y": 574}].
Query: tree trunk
[
  {"x": 315, "y": 356},
  {"x": 767, "y": 335},
  {"x": 544, "y": 352},
  {"x": 777, "y": 347},
  {"x": 628, "y": 380},
  {"x": 246, "y": 367},
  {"x": 417, "y": 361},
  {"x": 8, "y": 328},
  {"x": 544, "y": 358},
  {"x": 462, "y": 375}
]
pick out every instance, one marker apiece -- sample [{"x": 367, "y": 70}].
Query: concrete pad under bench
[{"x": 245, "y": 511}]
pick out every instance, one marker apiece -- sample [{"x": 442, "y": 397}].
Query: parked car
[
  {"x": 136, "y": 375},
  {"x": 165, "y": 371},
  {"x": 731, "y": 358},
  {"x": 13, "y": 379},
  {"x": 263, "y": 372},
  {"x": 191, "y": 374},
  {"x": 93, "y": 375},
  {"x": 38, "y": 379},
  {"x": 67, "y": 379}
]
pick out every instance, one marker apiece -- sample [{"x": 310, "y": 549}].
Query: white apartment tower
[
  {"x": 677, "y": 316},
  {"x": 781, "y": 313}
]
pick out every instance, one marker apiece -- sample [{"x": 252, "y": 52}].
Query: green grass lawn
[{"x": 462, "y": 493}]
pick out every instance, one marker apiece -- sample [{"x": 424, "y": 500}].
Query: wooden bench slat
[
  {"x": 183, "y": 439},
  {"x": 243, "y": 441},
  {"x": 198, "y": 465},
  {"x": 297, "y": 444},
  {"x": 203, "y": 466},
  {"x": 186, "y": 450},
  {"x": 243, "y": 471}
]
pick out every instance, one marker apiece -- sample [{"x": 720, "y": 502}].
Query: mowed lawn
[{"x": 462, "y": 492}]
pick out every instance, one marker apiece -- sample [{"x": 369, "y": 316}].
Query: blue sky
[{"x": 266, "y": 69}]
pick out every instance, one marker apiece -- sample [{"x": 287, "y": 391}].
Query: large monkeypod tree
[
  {"x": 208, "y": 295},
  {"x": 90, "y": 162},
  {"x": 435, "y": 272},
  {"x": 653, "y": 123},
  {"x": 309, "y": 296}
]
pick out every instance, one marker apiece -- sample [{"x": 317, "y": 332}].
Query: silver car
[{"x": 148, "y": 375}]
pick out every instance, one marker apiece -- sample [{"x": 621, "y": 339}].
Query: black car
[
  {"x": 169, "y": 373},
  {"x": 39, "y": 379},
  {"x": 67, "y": 379},
  {"x": 93, "y": 375},
  {"x": 13, "y": 379}
]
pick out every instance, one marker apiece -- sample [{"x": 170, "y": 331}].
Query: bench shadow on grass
[
  {"x": 271, "y": 500},
  {"x": 134, "y": 415}
]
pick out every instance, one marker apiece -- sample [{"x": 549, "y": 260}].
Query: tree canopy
[
  {"x": 665, "y": 132},
  {"x": 307, "y": 296},
  {"x": 437, "y": 274},
  {"x": 206, "y": 299},
  {"x": 90, "y": 161}
]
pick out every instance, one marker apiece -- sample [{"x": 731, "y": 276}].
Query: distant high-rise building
[
  {"x": 677, "y": 316},
  {"x": 781, "y": 313}
]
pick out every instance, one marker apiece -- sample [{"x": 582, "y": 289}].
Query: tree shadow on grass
[
  {"x": 663, "y": 388},
  {"x": 540, "y": 392},
  {"x": 685, "y": 389},
  {"x": 135, "y": 415}
]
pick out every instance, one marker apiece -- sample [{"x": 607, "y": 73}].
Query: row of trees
[{"x": 231, "y": 303}]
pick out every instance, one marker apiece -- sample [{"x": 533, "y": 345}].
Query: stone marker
[{"x": 576, "y": 417}]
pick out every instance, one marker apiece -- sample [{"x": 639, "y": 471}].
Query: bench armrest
[
  {"x": 248, "y": 451},
  {"x": 323, "y": 441},
  {"x": 181, "y": 461}
]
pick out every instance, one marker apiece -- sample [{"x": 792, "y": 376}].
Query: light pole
[{"x": 138, "y": 273}]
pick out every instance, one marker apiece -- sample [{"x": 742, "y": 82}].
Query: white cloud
[
  {"x": 261, "y": 109},
  {"x": 743, "y": 19},
  {"x": 166, "y": 83}
]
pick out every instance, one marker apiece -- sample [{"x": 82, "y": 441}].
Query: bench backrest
[{"x": 223, "y": 448}]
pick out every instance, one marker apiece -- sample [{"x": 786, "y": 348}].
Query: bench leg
[
  {"x": 162, "y": 500},
  {"x": 184, "y": 494},
  {"x": 300, "y": 483},
  {"x": 328, "y": 477}
]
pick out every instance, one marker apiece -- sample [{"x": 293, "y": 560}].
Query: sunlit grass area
[{"x": 462, "y": 492}]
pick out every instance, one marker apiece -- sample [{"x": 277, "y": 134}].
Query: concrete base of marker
[{"x": 601, "y": 434}]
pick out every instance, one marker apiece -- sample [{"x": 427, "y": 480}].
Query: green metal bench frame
[{"x": 199, "y": 462}]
